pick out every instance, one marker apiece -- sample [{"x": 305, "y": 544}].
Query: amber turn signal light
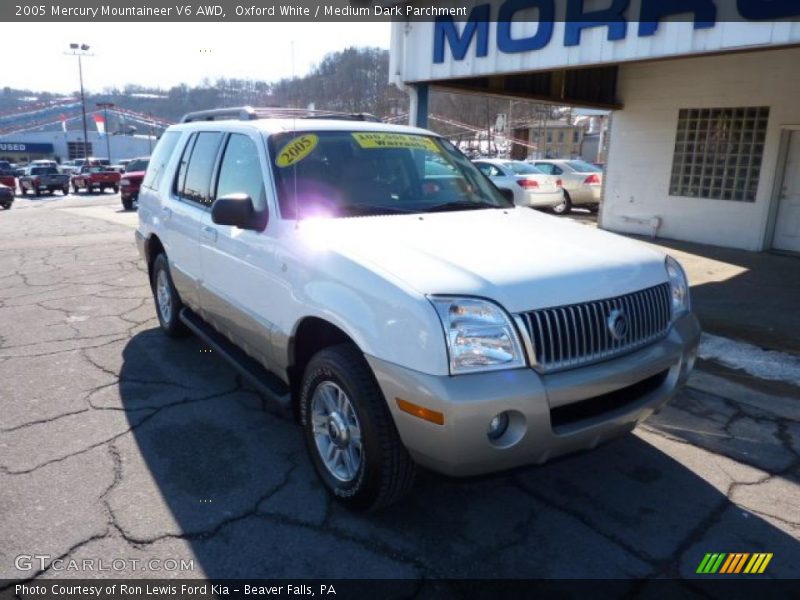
[{"x": 426, "y": 414}]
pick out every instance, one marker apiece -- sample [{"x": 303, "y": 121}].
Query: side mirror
[{"x": 238, "y": 210}]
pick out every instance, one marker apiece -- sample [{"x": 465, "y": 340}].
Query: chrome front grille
[{"x": 565, "y": 337}]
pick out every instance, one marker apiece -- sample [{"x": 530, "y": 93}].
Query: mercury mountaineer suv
[{"x": 370, "y": 279}]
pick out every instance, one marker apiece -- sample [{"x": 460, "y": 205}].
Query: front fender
[{"x": 385, "y": 319}]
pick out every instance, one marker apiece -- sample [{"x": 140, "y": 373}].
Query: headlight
[
  {"x": 480, "y": 335},
  {"x": 125, "y": 183},
  {"x": 679, "y": 286}
]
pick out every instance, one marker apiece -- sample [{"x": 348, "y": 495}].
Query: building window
[
  {"x": 718, "y": 153},
  {"x": 76, "y": 150}
]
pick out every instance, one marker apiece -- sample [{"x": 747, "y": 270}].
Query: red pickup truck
[
  {"x": 95, "y": 178},
  {"x": 132, "y": 180},
  {"x": 7, "y": 176}
]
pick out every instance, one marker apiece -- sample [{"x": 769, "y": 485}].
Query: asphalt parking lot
[{"x": 117, "y": 442}]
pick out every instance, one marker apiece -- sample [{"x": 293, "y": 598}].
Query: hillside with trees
[{"x": 352, "y": 80}]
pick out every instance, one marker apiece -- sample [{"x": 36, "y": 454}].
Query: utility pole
[
  {"x": 81, "y": 50},
  {"x": 105, "y": 106}
]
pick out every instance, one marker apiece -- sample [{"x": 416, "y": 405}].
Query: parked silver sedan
[
  {"x": 583, "y": 182},
  {"x": 528, "y": 185}
]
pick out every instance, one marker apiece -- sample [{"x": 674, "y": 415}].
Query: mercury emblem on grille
[{"x": 617, "y": 324}]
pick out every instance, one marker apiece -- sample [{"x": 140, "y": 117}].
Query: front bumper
[
  {"x": 639, "y": 384},
  {"x": 129, "y": 194}
]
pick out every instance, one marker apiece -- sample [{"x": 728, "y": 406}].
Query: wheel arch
[
  {"x": 152, "y": 248},
  {"x": 311, "y": 334}
]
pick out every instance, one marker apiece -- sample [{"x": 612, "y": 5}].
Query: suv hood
[{"x": 520, "y": 258}]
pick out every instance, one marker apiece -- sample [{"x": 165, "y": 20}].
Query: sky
[{"x": 167, "y": 54}]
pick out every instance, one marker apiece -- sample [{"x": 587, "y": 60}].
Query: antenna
[{"x": 294, "y": 166}]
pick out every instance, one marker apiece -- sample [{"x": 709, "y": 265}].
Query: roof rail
[
  {"x": 248, "y": 113},
  {"x": 242, "y": 113}
]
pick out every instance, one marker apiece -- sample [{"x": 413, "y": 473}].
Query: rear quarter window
[{"x": 160, "y": 159}]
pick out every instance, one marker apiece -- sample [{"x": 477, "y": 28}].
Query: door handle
[
  {"x": 209, "y": 234},
  {"x": 166, "y": 213}
]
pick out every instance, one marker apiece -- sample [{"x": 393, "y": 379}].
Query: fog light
[{"x": 498, "y": 426}]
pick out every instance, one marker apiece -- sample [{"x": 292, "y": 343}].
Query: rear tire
[
  {"x": 349, "y": 432},
  {"x": 168, "y": 303},
  {"x": 115, "y": 188},
  {"x": 65, "y": 190},
  {"x": 565, "y": 207}
]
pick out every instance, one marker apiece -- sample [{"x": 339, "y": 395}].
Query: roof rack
[{"x": 248, "y": 113}]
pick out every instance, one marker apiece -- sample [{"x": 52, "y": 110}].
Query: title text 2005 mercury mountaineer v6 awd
[{"x": 371, "y": 279}]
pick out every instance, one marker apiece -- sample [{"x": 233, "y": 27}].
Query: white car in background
[
  {"x": 583, "y": 182},
  {"x": 528, "y": 184}
]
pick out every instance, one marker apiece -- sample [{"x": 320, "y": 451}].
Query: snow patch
[{"x": 764, "y": 364}]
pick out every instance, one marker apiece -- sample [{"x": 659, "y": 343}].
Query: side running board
[{"x": 269, "y": 385}]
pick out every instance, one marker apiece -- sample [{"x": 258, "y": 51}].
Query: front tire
[
  {"x": 349, "y": 431},
  {"x": 168, "y": 303},
  {"x": 127, "y": 203},
  {"x": 565, "y": 207}
]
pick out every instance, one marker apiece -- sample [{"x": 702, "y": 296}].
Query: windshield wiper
[
  {"x": 372, "y": 210},
  {"x": 460, "y": 205}
]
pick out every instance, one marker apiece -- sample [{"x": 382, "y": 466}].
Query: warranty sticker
[
  {"x": 395, "y": 140},
  {"x": 296, "y": 150}
]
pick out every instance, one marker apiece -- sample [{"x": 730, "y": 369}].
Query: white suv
[{"x": 371, "y": 279}]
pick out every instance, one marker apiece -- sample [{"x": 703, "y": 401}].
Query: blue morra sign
[{"x": 614, "y": 17}]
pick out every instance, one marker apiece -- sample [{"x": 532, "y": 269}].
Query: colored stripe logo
[{"x": 734, "y": 563}]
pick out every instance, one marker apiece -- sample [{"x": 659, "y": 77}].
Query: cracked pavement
[{"x": 117, "y": 442}]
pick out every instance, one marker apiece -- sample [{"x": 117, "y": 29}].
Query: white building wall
[
  {"x": 122, "y": 146},
  {"x": 643, "y": 141}
]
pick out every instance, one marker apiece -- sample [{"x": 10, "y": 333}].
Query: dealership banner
[
  {"x": 25, "y": 147},
  {"x": 386, "y": 589},
  {"x": 618, "y": 12}
]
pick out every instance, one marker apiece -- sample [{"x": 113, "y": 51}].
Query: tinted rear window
[
  {"x": 583, "y": 167},
  {"x": 136, "y": 165},
  {"x": 522, "y": 168}
]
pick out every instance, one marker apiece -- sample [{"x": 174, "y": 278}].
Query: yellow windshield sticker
[
  {"x": 395, "y": 140},
  {"x": 296, "y": 150}
]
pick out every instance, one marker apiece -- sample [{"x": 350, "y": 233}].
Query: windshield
[
  {"x": 583, "y": 167},
  {"x": 522, "y": 168},
  {"x": 136, "y": 165},
  {"x": 346, "y": 173}
]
